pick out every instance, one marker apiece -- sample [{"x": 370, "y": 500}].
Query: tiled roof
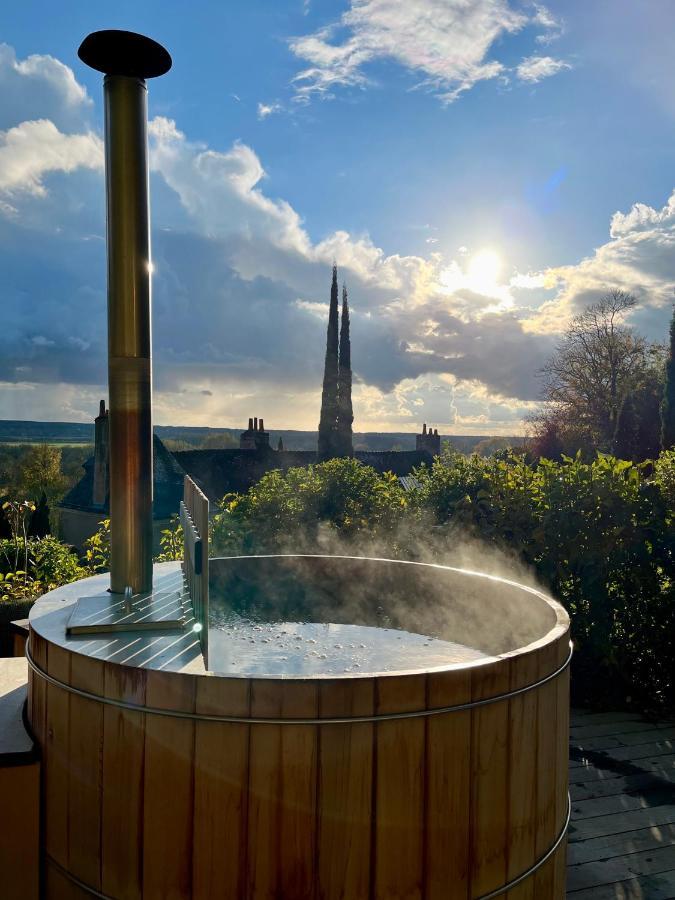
[
  {"x": 168, "y": 485},
  {"x": 400, "y": 462},
  {"x": 220, "y": 472}
]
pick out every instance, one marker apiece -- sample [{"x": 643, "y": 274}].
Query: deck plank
[
  {"x": 622, "y": 785},
  {"x": 649, "y": 887}
]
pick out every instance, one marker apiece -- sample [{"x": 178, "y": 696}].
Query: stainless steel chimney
[{"x": 127, "y": 60}]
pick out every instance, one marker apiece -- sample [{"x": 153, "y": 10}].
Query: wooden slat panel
[
  {"x": 194, "y": 517},
  {"x": 400, "y": 795},
  {"x": 37, "y": 689},
  {"x": 562, "y": 755},
  {"x": 345, "y": 791},
  {"x": 547, "y": 755},
  {"x": 448, "y": 755},
  {"x": 299, "y": 748},
  {"x": 85, "y": 758},
  {"x": 123, "y": 760},
  {"x": 489, "y": 780},
  {"x": 168, "y": 789},
  {"x": 264, "y": 813},
  {"x": 56, "y": 757},
  {"x": 221, "y": 790},
  {"x": 522, "y": 769},
  {"x": 20, "y": 831}
]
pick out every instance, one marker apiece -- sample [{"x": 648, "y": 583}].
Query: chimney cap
[{"x": 127, "y": 53}]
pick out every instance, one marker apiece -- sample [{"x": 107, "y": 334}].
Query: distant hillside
[{"x": 83, "y": 433}]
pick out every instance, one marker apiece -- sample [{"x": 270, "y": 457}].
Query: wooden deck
[{"x": 622, "y": 784}]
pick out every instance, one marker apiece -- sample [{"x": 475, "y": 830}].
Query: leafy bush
[
  {"x": 54, "y": 563},
  {"x": 664, "y": 476},
  {"x": 171, "y": 542},
  {"x": 97, "y": 549},
  {"x": 302, "y": 506},
  {"x": 29, "y": 568}
]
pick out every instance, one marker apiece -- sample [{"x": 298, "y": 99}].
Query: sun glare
[{"x": 483, "y": 271}]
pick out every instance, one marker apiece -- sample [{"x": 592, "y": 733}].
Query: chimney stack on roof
[
  {"x": 255, "y": 437},
  {"x": 429, "y": 441}
]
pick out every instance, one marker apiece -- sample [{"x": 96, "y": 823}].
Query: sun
[{"x": 483, "y": 271}]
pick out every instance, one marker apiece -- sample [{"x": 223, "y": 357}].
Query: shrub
[
  {"x": 664, "y": 476},
  {"x": 305, "y": 506},
  {"x": 171, "y": 542},
  {"x": 97, "y": 549},
  {"x": 54, "y": 563}
]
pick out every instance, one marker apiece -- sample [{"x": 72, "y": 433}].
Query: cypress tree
[
  {"x": 329, "y": 397},
  {"x": 668, "y": 403},
  {"x": 345, "y": 411}
]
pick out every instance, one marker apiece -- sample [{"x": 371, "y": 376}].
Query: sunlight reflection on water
[{"x": 243, "y": 646}]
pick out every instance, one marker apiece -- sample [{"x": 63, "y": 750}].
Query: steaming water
[{"x": 247, "y": 647}]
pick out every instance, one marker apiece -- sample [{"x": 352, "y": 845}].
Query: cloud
[
  {"x": 221, "y": 190},
  {"x": 268, "y": 109},
  {"x": 32, "y": 149},
  {"x": 638, "y": 258},
  {"x": 553, "y": 26},
  {"x": 228, "y": 255},
  {"x": 446, "y": 42},
  {"x": 535, "y": 68},
  {"x": 43, "y": 85}
]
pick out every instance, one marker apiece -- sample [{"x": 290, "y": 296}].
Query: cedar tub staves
[{"x": 445, "y": 781}]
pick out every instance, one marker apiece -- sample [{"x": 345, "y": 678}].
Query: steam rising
[{"x": 472, "y": 613}]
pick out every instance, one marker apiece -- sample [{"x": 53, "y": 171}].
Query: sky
[{"x": 479, "y": 170}]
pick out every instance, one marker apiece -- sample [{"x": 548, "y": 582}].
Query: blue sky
[{"x": 480, "y": 170}]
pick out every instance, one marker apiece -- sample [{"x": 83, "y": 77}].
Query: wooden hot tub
[{"x": 390, "y": 763}]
